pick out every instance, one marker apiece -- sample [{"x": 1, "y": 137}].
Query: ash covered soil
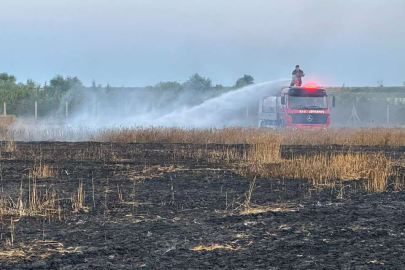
[{"x": 156, "y": 206}]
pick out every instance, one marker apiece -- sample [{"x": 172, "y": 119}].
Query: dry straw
[
  {"x": 325, "y": 170},
  {"x": 385, "y": 136},
  {"x": 382, "y": 136}
]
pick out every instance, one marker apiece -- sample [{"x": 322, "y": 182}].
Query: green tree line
[{"x": 20, "y": 97}]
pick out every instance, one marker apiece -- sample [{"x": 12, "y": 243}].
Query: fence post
[
  {"x": 4, "y": 108},
  {"x": 388, "y": 113},
  {"x": 126, "y": 107},
  {"x": 36, "y": 110},
  {"x": 67, "y": 111}
]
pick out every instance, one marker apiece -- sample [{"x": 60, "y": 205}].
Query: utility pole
[{"x": 36, "y": 110}]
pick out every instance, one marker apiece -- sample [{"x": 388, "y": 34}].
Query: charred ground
[{"x": 166, "y": 206}]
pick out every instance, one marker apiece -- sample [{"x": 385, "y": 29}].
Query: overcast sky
[{"x": 142, "y": 42}]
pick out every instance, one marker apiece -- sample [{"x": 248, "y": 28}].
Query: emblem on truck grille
[{"x": 310, "y": 118}]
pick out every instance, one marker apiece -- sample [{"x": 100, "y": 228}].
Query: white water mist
[{"x": 143, "y": 108}]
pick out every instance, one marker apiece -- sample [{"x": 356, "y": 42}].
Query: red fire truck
[{"x": 298, "y": 107}]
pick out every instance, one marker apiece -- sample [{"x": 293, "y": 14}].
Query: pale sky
[{"x": 142, "y": 42}]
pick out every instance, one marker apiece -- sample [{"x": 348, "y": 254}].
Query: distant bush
[
  {"x": 198, "y": 83},
  {"x": 244, "y": 81}
]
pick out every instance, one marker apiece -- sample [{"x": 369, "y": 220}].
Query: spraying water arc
[{"x": 222, "y": 110}]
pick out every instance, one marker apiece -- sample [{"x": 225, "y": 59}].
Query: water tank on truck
[{"x": 268, "y": 111}]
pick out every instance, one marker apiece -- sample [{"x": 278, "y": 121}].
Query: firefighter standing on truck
[{"x": 297, "y": 74}]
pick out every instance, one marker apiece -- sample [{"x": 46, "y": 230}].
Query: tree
[
  {"x": 60, "y": 88},
  {"x": 167, "y": 86},
  {"x": 15, "y": 95},
  {"x": 198, "y": 83},
  {"x": 219, "y": 87},
  {"x": 4, "y": 77},
  {"x": 244, "y": 81},
  {"x": 61, "y": 84}
]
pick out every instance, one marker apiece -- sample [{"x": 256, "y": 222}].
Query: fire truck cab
[{"x": 296, "y": 107}]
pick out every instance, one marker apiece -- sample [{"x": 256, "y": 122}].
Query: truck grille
[{"x": 307, "y": 118}]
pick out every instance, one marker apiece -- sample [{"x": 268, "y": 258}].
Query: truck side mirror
[
  {"x": 283, "y": 100},
  {"x": 333, "y": 101}
]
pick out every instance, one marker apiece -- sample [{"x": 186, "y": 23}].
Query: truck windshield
[{"x": 308, "y": 102}]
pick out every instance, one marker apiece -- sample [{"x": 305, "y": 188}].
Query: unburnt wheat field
[{"x": 168, "y": 198}]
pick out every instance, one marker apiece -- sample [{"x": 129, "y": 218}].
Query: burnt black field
[{"x": 148, "y": 207}]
